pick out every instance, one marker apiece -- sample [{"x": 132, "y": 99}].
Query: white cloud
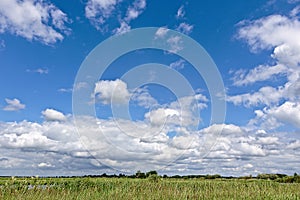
[
  {"x": 271, "y": 31},
  {"x": 179, "y": 64},
  {"x": 288, "y": 112},
  {"x": 65, "y": 90},
  {"x": 294, "y": 145},
  {"x": 33, "y": 20},
  {"x": 185, "y": 112},
  {"x": 45, "y": 165},
  {"x": 134, "y": 11},
  {"x": 53, "y": 115},
  {"x": 160, "y": 116},
  {"x": 124, "y": 27},
  {"x": 280, "y": 34},
  {"x": 143, "y": 97},
  {"x": 112, "y": 91},
  {"x": 99, "y": 8},
  {"x": 180, "y": 12},
  {"x": 59, "y": 150},
  {"x": 39, "y": 70},
  {"x": 175, "y": 44},
  {"x": 295, "y": 11},
  {"x": 185, "y": 28},
  {"x": 80, "y": 85},
  {"x": 161, "y": 32},
  {"x": 99, "y": 11},
  {"x": 276, "y": 116},
  {"x": 117, "y": 92},
  {"x": 259, "y": 73},
  {"x": 13, "y": 105},
  {"x": 264, "y": 96}
]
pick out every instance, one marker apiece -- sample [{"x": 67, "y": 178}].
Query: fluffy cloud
[
  {"x": 259, "y": 73},
  {"x": 276, "y": 116},
  {"x": 159, "y": 116},
  {"x": 143, "y": 98},
  {"x": 161, "y": 32},
  {"x": 264, "y": 96},
  {"x": 124, "y": 27},
  {"x": 184, "y": 112},
  {"x": 99, "y": 11},
  {"x": 33, "y": 20},
  {"x": 114, "y": 91},
  {"x": 185, "y": 28},
  {"x": 135, "y": 10},
  {"x": 13, "y": 105},
  {"x": 269, "y": 32},
  {"x": 278, "y": 100},
  {"x": 53, "y": 115},
  {"x": 58, "y": 149},
  {"x": 117, "y": 92}
]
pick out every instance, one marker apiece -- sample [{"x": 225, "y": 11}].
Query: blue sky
[{"x": 44, "y": 45}]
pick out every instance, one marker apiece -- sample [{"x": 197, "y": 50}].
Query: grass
[{"x": 127, "y": 188}]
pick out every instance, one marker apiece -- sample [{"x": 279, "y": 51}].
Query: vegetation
[{"x": 152, "y": 186}]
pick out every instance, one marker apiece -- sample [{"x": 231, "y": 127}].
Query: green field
[{"x": 158, "y": 188}]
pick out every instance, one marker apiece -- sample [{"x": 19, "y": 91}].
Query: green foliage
[
  {"x": 140, "y": 174},
  {"x": 151, "y": 173},
  {"x": 212, "y": 176}
]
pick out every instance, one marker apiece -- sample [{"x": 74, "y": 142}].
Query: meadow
[{"x": 148, "y": 188}]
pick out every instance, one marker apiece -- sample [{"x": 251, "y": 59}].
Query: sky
[{"x": 181, "y": 87}]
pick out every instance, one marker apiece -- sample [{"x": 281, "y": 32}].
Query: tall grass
[{"x": 125, "y": 188}]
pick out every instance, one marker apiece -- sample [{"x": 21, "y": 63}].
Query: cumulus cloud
[
  {"x": 117, "y": 92},
  {"x": 112, "y": 91},
  {"x": 58, "y": 149},
  {"x": 278, "y": 100},
  {"x": 33, "y": 20},
  {"x": 185, "y": 112},
  {"x": 53, "y": 115},
  {"x": 13, "y": 105},
  {"x": 276, "y": 116}
]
